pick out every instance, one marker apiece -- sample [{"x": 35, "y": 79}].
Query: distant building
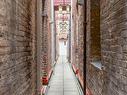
[{"x": 62, "y": 17}]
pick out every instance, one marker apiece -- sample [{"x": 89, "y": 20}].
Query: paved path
[{"x": 63, "y": 81}]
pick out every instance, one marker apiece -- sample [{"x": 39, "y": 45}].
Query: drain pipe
[
  {"x": 39, "y": 42},
  {"x": 52, "y": 24},
  {"x": 85, "y": 33}
]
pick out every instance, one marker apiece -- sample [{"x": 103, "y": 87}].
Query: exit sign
[{"x": 81, "y": 2}]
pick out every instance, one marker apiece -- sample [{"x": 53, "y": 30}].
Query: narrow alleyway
[
  {"x": 63, "y": 80},
  {"x": 37, "y": 45},
  {"x": 63, "y": 47}
]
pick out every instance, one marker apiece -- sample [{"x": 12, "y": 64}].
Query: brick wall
[
  {"x": 46, "y": 41},
  {"x": 81, "y": 42},
  {"x": 73, "y": 33},
  {"x": 94, "y": 75},
  {"x": 78, "y": 38},
  {"x": 114, "y": 42},
  {"x": 112, "y": 79},
  {"x": 17, "y": 47}
]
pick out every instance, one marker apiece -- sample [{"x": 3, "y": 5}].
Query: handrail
[{"x": 77, "y": 82}]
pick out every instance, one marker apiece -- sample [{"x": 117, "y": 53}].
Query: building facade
[
  {"x": 77, "y": 39},
  {"x": 106, "y": 47},
  {"x": 18, "y": 47},
  {"x": 25, "y": 46}
]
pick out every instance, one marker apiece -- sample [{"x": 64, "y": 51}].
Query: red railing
[{"x": 88, "y": 92}]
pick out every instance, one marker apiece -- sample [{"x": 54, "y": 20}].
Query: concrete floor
[{"x": 63, "y": 81}]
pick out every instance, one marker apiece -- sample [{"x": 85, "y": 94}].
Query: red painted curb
[{"x": 88, "y": 92}]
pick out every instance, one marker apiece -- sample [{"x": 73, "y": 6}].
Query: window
[
  {"x": 60, "y": 9},
  {"x": 95, "y": 46}
]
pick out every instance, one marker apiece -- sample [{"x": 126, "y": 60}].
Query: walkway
[{"x": 63, "y": 81}]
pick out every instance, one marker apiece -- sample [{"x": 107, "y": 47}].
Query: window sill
[{"x": 97, "y": 64}]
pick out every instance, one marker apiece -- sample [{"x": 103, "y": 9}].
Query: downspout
[
  {"x": 85, "y": 35},
  {"x": 71, "y": 32},
  {"x": 39, "y": 44},
  {"x": 69, "y": 37},
  {"x": 52, "y": 24}
]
